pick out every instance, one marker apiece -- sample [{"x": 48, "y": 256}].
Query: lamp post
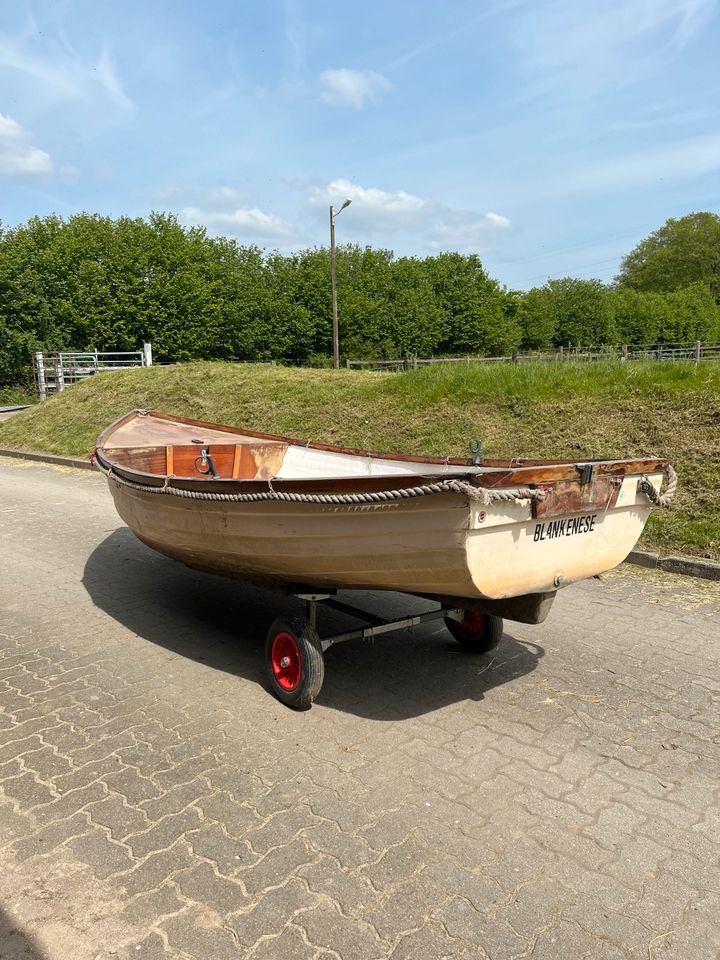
[{"x": 333, "y": 284}]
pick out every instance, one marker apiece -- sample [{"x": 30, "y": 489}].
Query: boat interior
[
  {"x": 155, "y": 445},
  {"x": 161, "y": 445}
]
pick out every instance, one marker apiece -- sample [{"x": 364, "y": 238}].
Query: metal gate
[{"x": 56, "y": 371}]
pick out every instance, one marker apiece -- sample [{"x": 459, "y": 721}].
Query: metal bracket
[
  {"x": 586, "y": 471},
  {"x": 476, "y": 450}
]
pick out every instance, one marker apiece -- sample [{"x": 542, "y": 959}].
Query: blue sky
[{"x": 548, "y": 136}]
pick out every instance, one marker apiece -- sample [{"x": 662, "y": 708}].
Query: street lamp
[{"x": 333, "y": 284}]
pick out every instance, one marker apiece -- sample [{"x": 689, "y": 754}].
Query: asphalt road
[{"x": 559, "y": 800}]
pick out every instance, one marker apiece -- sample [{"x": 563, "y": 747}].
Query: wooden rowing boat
[
  {"x": 259, "y": 507},
  {"x": 486, "y": 538}
]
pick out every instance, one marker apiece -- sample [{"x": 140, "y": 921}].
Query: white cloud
[
  {"x": 374, "y": 208},
  {"x": 438, "y": 226},
  {"x": 584, "y": 49},
  {"x": 244, "y": 222},
  {"x": 18, "y": 157},
  {"x": 58, "y": 69},
  {"x": 353, "y": 88}
]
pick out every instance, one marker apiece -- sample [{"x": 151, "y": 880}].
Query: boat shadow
[
  {"x": 15, "y": 942},
  {"x": 222, "y": 624}
]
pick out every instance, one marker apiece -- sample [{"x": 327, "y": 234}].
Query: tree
[
  {"x": 641, "y": 319},
  {"x": 694, "y": 315},
  {"x": 475, "y": 310},
  {"x": 567, "y": 312},
  {"x": 682, "y": 252},
  {"x": 537, "y": 317}
]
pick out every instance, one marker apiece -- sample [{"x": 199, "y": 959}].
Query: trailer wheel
[
  {"x": 476, "y": 632},
  {"x": 294, "y": 660}
]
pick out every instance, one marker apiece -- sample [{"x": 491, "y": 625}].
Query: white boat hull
[{"x": 435, "y": 545}]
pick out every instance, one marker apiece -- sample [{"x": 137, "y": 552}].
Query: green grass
[
  {"x": 12, "y": 396},
  {"x": 537, "y": 410}
]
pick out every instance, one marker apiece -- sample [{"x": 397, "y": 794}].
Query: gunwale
[{"x": 519, "y": 471}]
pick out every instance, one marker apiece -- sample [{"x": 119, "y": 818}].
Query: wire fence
[{"x": 696, "y": 352}]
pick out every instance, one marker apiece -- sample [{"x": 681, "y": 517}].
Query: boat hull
[{"x": 443, "y": 544}]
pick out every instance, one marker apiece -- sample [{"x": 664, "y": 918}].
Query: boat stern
[{"x": 521, "y": 547}]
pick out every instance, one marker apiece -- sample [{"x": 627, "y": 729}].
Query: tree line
[{"x": 92, "y": 282}]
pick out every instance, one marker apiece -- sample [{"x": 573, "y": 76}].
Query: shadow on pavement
[
  {"x": 223, "y": 624},
  {"x": 15, "y": 944}
]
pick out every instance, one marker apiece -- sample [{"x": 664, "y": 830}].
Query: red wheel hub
[
  {"x": 286, "y": 661},
  {"x": 472, "y": 625}
]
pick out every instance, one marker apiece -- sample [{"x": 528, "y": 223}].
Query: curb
[
  {"x": 688, "y": 566},
  {"x": 76, "y": 462}
]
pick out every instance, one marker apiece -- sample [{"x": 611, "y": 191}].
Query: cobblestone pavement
[{"x": 557, "y": 801}]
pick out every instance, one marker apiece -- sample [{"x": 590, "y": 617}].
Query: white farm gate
[{"x": 56, "y": 371}]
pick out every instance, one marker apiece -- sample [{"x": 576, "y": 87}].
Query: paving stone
[
  {"x": 145, "y": 910},
  {"x": 175, "y": 800},
  {"x": 279, "y": 829},
  {"x": 154, "y": 871},
  {"x": 87, "y": 774},
  {"x": 432, "y": 942},
  {"x": 399, "y": 863},
  {"x": 150, "y": 948},
  {"x": 275, "y": 867},
  {"x": 28, "y": 791},
  {"x": 164, "y": 833},
  {"x": 326, "y": 927},
  {"x": 227, "y": 853},
  {"x": 270, "y": 915},
  {"x": 327, "y": 837},
  {"x": 290, "y": 944},
  {"x": 69, "y": 803},
  {"x": 564, "y": 941},
  {"x": 13, "y": 825},
  {"x": 104, "y": 857},
  {"x": 204, "y": 886},
  {"x": 462, "y": 921},
  {"x": 113, "y": 813},
  {"x": 353, "y": 892},
  {"x": 196, "y": 934},
  {"x": 132, "y": 786},
  {"x": 220, "y": 806},
  {"x": 51, "y": 836},
  {"x": 404, "y": 908}
]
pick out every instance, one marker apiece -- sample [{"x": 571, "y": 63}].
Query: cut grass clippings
[{"x": 565, "y": 410}]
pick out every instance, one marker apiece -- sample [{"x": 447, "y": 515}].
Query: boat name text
[{"x": 564, "y": 528}]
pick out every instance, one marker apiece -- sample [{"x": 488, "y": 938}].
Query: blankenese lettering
[{"x": 567, "y": 527}]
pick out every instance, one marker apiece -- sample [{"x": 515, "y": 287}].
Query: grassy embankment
[{"x": 569, "y": 411}]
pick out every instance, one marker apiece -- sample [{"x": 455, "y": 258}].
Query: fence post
[
  {"x": 40, "y": 375},
  {"x": 624, "y": 351},
  {"x": 147, "y": 354},
  {"x": 562, "y": 351},
  {"x": 59, "y": 378},
  {"x": 698, "y": 346},
  {"x": 514, "y": 356},
  {"x": 347, "y": 363},
  {"x": 414, "y": 361}
]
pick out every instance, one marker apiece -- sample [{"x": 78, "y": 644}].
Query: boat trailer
[{"x": 294, "y": 650}]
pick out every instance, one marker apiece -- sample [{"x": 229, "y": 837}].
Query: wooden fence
[{"x": 696, "y": 351}]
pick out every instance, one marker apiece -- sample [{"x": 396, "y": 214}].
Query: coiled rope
[
  {"x": 660, "y": 499},
  {"x": 483, "y": 495}
]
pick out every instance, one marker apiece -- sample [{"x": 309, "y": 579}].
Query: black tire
[
  {"x": 476, "y": 632},
  {"x": 297, "y": 682}
]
